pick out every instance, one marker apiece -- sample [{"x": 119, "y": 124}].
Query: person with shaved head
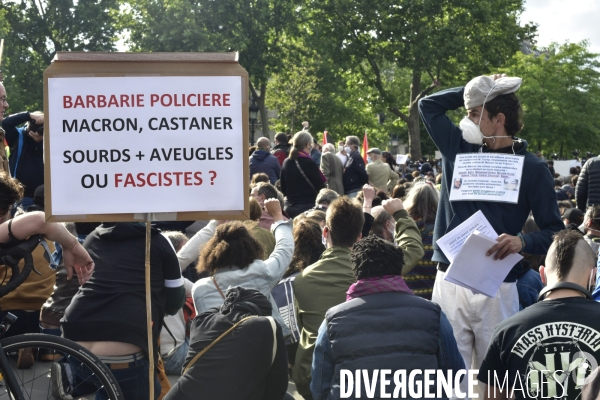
[
  {"x": 550, "y": 349},
  {"x": 263, "y": 161}
]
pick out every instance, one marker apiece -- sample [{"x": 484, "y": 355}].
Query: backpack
[{"x": 281, "y": 155}]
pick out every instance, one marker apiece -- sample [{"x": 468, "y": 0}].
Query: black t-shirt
[
  {"x": 111, "y": 306},
  {"x": 545, "y": 351}
]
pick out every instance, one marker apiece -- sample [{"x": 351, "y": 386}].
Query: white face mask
[
  {"x": 369, "y": 159},
  {"x": 348, "y": 150},
  {"x": 340, "y": 148},
  {"x": 471, "y": 131}
]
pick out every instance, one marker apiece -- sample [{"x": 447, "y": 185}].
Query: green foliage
[
  {"x": 314, "y": 88},
  {"x": 396, "y": 44},
  {"x": 36, "y": 30},
  {"x": 560, "y": 95},
  {"x": 253, "y": 28}
]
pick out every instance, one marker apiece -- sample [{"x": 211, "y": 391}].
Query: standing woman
[{"x": 301, "y": 178}]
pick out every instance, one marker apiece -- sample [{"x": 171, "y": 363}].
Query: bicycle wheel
[{"x": 82, "y": 375}]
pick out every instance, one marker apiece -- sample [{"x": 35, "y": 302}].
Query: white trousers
[{"x": 474, "y": 316}]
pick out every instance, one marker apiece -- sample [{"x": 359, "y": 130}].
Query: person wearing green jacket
[{"x": 324, "y": 284}]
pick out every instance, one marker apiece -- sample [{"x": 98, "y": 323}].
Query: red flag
[
  {"x": 365, "y": 148},
  {"x": 325, "y": 137}
]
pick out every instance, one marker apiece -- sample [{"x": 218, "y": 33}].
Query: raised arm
[
  {"x": 443, "y": 132},
  {"x": 408, "y": 236},
  {"x": 74, "y": 255},
  {"x": 190, "y": 251},
  {"x": 9, "y": 124},
  {"x": 280, "y": 258}
]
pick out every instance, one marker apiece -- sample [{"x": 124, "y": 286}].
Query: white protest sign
[
  {"x": 401, "y": 159},
  {"x": 563, "y": 166},
  {"x": 487, "y": 177},
  {"x": 146, "y": 144}
]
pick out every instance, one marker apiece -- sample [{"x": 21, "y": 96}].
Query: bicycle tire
[{"x": 42, "y": 370}]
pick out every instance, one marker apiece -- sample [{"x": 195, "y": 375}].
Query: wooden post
[{"x": 149, "y": 308}]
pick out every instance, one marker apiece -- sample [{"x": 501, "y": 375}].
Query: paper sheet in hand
[
  {"x": 473, "y": 270},
  {"x": 452, "y": 242}
]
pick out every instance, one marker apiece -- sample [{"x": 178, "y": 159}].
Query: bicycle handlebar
[{"x": 11, "y": 257}]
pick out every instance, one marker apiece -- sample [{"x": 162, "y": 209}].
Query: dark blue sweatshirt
[
  {"x": 30, "y": 163},
  {"x": 263, "y": 161},
  {"x": 536, "y": 194}
]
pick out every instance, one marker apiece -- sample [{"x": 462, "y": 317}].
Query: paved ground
[
  {"x": 291, "y": 387},
  {"x": 39, "y": 388}
]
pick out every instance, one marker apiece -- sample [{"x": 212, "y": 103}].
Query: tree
[
  {"x": 38, "y": 29},
  {"x": 254, "y": 28},
  {"x": 560, "y": 96},
  {"x": 314, "y": 88},
  {"x": 425, "y": 39}
]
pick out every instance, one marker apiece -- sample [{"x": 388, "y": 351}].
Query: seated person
[
  {"x": 251, "y": 351},
  {"x": 108, "y": 315},
  {"x": 411, "y": 333},
  {"x": 174, "y": 336},
  {"x": 528, "y": 357},
  {"x": 26, "y": 301},
  {"x": 233, "y": 258},
  {"x": 263, "y": 236}
]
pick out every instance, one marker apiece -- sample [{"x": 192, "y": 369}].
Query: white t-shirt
[{"x": 342, "y": 157}]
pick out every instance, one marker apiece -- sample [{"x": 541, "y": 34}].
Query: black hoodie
[
  {"x": 240, "y": 366},
  {"x": 111, "y": 306}
]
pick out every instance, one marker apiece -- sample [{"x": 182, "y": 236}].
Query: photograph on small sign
[{"x": 487, "y": 177}]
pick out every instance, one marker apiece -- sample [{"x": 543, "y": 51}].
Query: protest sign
[
  {"x": 146, "y": 133},
  {"x": 401, "y": 159},
  {"x": 487, "y": 177}
]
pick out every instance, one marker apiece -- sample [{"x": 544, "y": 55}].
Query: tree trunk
[
  {"x": 414, "y": 128},
  {"x": 264, "y": 121},
  {"x": 561, "y": 150}
]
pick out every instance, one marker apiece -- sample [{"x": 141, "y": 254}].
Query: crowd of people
[{"x": 337, "y": 268}]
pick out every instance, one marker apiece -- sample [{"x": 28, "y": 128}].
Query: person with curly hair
[
  {"x": 411, "y": 333},
  {"x": 12, "y": 192},
  {"x": 233, "y": 257}
]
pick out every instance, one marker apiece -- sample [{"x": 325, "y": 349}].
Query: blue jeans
[
  {"x": 174, "y": 362},
  {"x": 133, "y": 380}
]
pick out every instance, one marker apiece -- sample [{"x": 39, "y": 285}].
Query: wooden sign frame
[{"x": 108, "y": 64}]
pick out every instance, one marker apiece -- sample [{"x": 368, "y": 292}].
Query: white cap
[{"x": 484, "y": 88}]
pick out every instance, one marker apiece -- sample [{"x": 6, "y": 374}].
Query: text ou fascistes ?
[
  {"x": 162, "y": 154},
  {"x": 156, "y": 100}
]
